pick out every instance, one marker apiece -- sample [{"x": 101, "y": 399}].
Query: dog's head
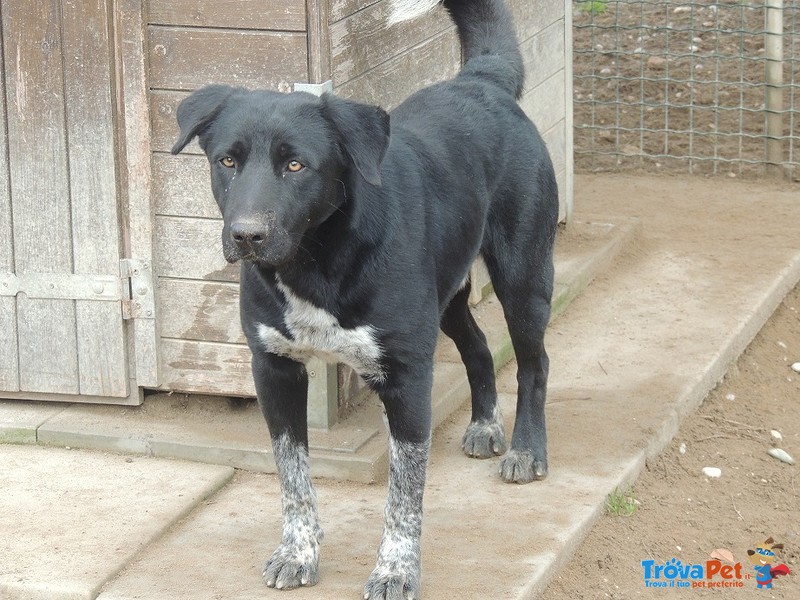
[
  {"x": 764, "y": 553},
  {"x": 278, "y": 162}
]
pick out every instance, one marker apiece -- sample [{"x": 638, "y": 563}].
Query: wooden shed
[{"x": 112, "y": 279}]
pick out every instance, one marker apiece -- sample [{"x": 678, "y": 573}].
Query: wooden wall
[
  {"x": 59, "y": 205},
  {"x": 263, "y": 43},
  {"x": 543, "y": 27},
  {"x": 383, "y": 66},
  {"x": 191, "y": 43}
]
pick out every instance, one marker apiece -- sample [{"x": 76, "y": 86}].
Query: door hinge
[{"x": 138, "y": 300}]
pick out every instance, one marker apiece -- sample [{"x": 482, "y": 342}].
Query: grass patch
[
  {"x": 597, "y": 7},
  {"x": 621, "y": 502}
]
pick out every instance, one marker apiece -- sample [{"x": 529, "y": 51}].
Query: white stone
[
  {"x": 781, "y": 455},
  {"x": 712, "y": 472}
]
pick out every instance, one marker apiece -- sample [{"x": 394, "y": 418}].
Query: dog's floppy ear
[
  {"x": 198, "y": 111},
  {"x": 363, "y": 133}
]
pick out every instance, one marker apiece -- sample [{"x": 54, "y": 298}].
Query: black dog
[{"x": 357, "y": 232}]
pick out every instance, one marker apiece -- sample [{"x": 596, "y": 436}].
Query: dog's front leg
[
  {"x": 282, "y": 388},
  {"x": 397, "y": 571}
]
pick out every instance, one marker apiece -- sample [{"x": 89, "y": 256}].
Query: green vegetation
[
  {"x": 621, "y": 502},
  {"x": 593, "y": 6}
]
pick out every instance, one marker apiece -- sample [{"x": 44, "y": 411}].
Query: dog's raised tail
[{"x": 487, "y": 34}]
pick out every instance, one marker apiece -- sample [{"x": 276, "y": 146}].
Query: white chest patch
[{"x": 317, "y": 333}]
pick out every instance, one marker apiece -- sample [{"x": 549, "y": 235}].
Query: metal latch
[
  {"x": 133, "y": 288},
  {"x": 61, "y": 286},
  {"x": 139, "y": 294}
]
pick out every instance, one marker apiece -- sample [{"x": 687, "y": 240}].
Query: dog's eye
[
  {"x": 227, "y": 162},
  {"x": 294, "y": 166}
]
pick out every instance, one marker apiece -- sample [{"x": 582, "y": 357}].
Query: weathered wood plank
[
  {"x": 543, "y": 54},
  {"x": 182, "y": 187},
  {"x": 545, "y": 104},
  {"x": 41, "y": 212},
  {"x": 135, "y": 398},
  {"x": 88, "y": 78},
  {"x": 207, "y": 368},
  {"x": 391, "y": 82},
  {"x": 189, "y": 248},
  {"x": 134, "y": 120},
  {"x": 554, "y": 138},
  {"x": 9, "y": 366},
  {"x": 561, "y": 179},
  {"x": 186, "y": 59},
  {"x": 532, "y": 17},
  {"x": 319, "y": 41},
  {"x": 9, "y": 372},
  {"x": 569, "y": 179},
  {"x": 199, "y": 310},
  {"x": 163, "y": 126},
  {"x": 362, "y": 41},
  {"x": 344, "y": 8},
  {"x": 286, "y": 15}
]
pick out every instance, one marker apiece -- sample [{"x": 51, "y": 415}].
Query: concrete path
[{"x": 633, "y": 354}]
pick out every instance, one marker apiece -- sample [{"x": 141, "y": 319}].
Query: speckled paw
[
  {"x": 484, "y": 439},
  {"x": 391, "y": 586},
  {"x": 520, "y": 466},
  {"x": 289, "y": 568}
]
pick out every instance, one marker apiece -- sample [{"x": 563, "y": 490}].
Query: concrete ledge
[
  {"x": 84, "y": 516},
  {"x": 20, "y": 420}
]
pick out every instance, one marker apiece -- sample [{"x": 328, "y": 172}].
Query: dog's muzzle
[{"x": 257, "y": 241}]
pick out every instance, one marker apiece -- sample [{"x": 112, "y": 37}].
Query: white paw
[
  {"x": 292, "y": 566},
  {"x": 383, "y": 585}
]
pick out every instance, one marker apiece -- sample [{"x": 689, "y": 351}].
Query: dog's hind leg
[
  {"x": 522, "y": 274},
  {"x": 485, "y": 436}
]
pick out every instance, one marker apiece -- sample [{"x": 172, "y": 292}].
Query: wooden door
[{"x": 61, "y": 291}]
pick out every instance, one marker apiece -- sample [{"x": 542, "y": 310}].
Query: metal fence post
[{"x": 773, "y": 104}]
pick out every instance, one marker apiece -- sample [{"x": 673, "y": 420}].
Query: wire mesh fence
[{"x": 706, "y": 86}]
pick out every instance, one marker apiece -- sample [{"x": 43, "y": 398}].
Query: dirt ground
[
  {"x": 679, "y": 513},
  {"x": 655, "y": 80},
  {"x": 644, "y": 91}
]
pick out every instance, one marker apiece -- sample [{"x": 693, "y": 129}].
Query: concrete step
[
  {"x": 72, "y": 520},
  {"x": 216, "y": 431}
]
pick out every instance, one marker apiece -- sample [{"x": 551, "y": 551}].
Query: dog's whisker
[
  {"x": 311, "y": 239},
  {"x": 338, "y": 208},
  {"x": 308, "y": 252},
  {"x": 344, "y": 189}
]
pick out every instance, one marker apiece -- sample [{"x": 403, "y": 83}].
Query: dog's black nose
[{"x": 248, "y": 234}]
